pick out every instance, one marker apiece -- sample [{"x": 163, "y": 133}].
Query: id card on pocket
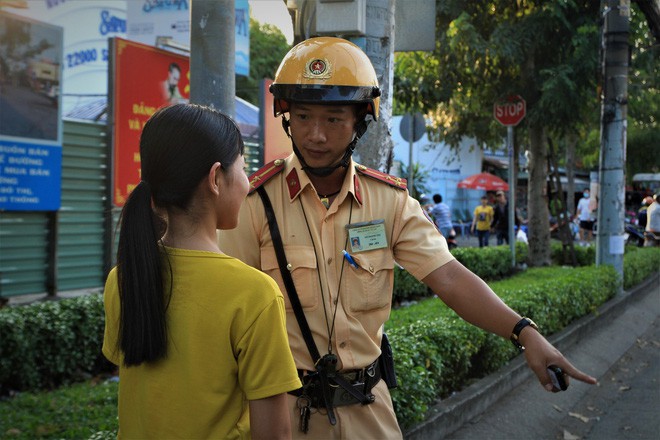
[{"x": 367, "y": 236}]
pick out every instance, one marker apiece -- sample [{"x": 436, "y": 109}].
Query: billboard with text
[
  {"x": 30, "y": 108},
  {"x": 143, "y": 79}
]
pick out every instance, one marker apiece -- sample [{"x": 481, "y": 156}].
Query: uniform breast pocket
[
  {"x": 302, "y": 263},
  {"x": 372, "y": 289}
]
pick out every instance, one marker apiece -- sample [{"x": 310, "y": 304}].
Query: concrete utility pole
[
  {"x": 611, "y": 194},
  {"x": 213, "y": 54},
  {"x": 378, "y": 44}
]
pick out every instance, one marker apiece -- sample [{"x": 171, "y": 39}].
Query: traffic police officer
[{"x": 343, "y": 228}]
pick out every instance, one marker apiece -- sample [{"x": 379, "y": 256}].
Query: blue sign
[
  {"x": 30, "y": 176},
  {"x": 242, "y": 37}
]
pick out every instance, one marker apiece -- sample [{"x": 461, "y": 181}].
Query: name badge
[{"x": 367, "y": 236}]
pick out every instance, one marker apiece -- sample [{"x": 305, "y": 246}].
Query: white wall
[{"x": 445, "y": 167}]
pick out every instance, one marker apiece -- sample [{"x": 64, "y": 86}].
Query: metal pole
[
  {"x": 611, "y": 194},
  {"x": 411, "y": 128},
  {"x": 512, "y": 195},
  {"x": 213, "y": 54}
]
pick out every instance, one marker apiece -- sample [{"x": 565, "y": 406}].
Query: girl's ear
[{"x": 213, "y": 178}]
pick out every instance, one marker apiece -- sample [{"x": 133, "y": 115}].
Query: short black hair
[{"x": 437, "y": 198}]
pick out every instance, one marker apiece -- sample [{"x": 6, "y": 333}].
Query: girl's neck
[{"x": 185, "y": 233}]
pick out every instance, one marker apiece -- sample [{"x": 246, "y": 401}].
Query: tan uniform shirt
[{"x": 351, "y": 304}]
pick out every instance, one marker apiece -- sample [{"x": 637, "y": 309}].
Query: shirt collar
[{"x": 297, "y": 180}]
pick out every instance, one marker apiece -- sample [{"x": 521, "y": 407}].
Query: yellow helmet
[{"x": 326, "y": 70}]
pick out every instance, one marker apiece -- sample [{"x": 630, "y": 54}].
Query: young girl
[{"x": 199, "y": 336}]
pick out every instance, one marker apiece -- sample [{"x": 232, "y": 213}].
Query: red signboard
[
  {"x": 510, "y": 111},
  {"x": 144, "y": 79}
]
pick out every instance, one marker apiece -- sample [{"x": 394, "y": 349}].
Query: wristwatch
[{"x": 515, "y": 334}]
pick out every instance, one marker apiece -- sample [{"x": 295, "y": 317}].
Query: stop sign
[{"x": 510, "y": 111}]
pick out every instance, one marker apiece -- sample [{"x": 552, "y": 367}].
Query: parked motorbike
[{"x": 633, "y": 235}]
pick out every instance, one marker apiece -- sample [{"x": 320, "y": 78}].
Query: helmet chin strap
[{"x": 360, "y": 129}]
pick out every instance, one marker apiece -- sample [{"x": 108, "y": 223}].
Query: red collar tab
[
  {"x": 265, "y": 173},
  {"x": 394, "y": 181},
  {"x": 356, "y": 189},
  {"x": 293, "y": 183}
]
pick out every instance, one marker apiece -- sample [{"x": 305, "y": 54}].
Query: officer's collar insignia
[
  {"x": 317, "y": 68},
  {"x": 356, "y": 186},
  {"x": 293, "y": 183}
]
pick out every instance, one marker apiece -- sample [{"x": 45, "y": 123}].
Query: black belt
[{"x": 361, "y": 381}]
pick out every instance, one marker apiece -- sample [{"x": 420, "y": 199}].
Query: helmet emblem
[{"x": 317, "y": 68}]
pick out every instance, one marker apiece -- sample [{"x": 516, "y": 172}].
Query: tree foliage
[
  {"x": 267, "y": 48},
  {"x": 643, "y": 135},
  {"x": 548, "y": 52}
]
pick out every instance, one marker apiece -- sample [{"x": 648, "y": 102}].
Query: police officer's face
[{"x": 322, "y": 132}]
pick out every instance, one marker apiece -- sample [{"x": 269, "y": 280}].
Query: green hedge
[
  {"x": 584, "y": 255},
  {"x": 437, "y": 353},
  {"x": 440, "y": 355},
  {"x": 489, "y": 263},
  {"x": 638, "y": 263},
  {"x": 48, "y": 344}
]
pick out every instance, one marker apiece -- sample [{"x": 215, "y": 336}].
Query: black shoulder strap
[
  {"x": 286, "y": 276},
  {"x": 300, "y": 316}
]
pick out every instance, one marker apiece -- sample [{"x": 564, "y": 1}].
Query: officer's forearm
[{"x": 471, "y": 298}]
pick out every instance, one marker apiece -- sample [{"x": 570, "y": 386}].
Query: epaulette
[
  {"x": 394, "y": 181},
  {"x": 265, "y": 173}
]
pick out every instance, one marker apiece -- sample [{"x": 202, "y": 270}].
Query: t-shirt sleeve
[
  {"x": 265, "y": 362},
  {"x": 112, "y": 308},
  {"x": 418, "y": 245}
]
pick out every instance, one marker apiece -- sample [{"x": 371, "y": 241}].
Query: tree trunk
[
  {"x": 538, "y": 224},
  {"x": 570, "y": 173},
  {"x": 376, "y": 145}
]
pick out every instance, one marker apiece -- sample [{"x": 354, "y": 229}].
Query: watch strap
[{"x": 520, "y": 325}]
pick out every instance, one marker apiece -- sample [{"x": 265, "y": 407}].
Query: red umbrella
[{"x": 484, "y": 181}]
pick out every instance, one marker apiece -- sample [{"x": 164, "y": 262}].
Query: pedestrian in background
[
  {"x": 501, "y": 218},
  {"x": 642, "y": 217},
  {"x": 199, "y": 336},
  {"x": 441, "y": 214},
  {"x": 652, "y": 231},
  {"x": 481, "y": 221},
  {"x": 298, "y": 225},
  {"x": 586, "y": 218}
]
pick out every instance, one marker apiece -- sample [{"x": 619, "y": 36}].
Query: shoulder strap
[
  {"x": 286, "y": 276},
  {"x": 265, "y": 173},
  {"x": 396, "y": 182},
  {"x": 324, "y": 375}
]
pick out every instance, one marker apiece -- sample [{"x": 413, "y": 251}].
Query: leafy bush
[
  {"x": 406, "y": 287},
  {"x": 584, "y": 255},
  {"x": 444, "y": 352},
  {"x": 48, "y": 344},
  {"x": 489, "y": 263},
  {"x": 638, "y": 263}
]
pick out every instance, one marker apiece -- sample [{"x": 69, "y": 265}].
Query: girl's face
[{"x": 234, "y": 189}]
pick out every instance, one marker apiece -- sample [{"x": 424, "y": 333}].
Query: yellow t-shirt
[
  {"x": 484, "y": 216},
  {"x": 227, "y": 344}
]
